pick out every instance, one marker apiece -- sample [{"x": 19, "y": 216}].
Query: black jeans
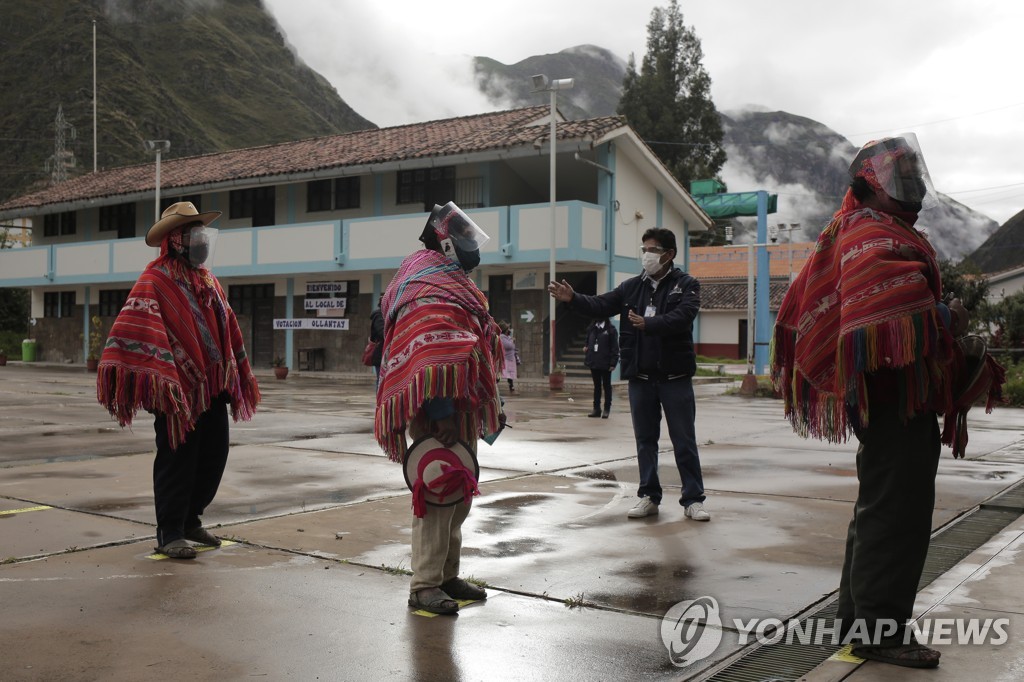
[
  {"x": 647, "y": 399},
  {"x": 602, "y": 378},
  {"x": 887, "y": 541},
  {"x": 185, "y": 480}
]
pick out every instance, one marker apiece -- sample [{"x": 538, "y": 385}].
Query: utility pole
[{"x": 62, "y": 159}]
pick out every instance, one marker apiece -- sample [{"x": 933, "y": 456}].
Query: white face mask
[{"x": 651, "y": 263}]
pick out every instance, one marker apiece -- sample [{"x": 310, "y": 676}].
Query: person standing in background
[
  {"x": 602, "y": 354},
  {"x": 508, "y": 347},
  {"x": 377, "y": 336}
]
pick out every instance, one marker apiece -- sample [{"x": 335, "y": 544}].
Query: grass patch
[{"x": 576, "y": 602}]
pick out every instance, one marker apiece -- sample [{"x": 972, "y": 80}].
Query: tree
[
  {"x": 669, "y": 102},
  {"x": 1007, "y": 317},
  {"x": 966, "y": 282}
]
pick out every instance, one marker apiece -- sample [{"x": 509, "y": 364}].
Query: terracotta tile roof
[
  {"x": 717, "y": 295},
  {"x": 447, "y": 137},
  {"x": 719, "y": 262}
]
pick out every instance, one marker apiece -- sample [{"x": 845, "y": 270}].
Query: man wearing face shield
[
  {"x": 863, "y": 345},
  {"x": 442, "y": 358},
  {"x": 176, "y": 350}
]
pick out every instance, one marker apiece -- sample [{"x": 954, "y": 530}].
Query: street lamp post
[
  {"x": 782, "y": 227},
  {"x": 542, "y": 83},
  {"x": 157, "y": 147}
]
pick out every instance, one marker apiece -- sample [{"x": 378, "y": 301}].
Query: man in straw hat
[
  {"x": 864, "y": 344},
  {"x": 175, "y": 350},
  {"x": 442, "y": 355}
]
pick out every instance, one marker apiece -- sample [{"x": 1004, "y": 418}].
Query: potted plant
[
  {"x": 280, "y": 369},
  {"x": 96, "y": 340},
  {"x": 556, "y": 380}
]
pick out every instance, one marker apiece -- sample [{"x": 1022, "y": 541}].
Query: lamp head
[{"x": 160, "y": 146}]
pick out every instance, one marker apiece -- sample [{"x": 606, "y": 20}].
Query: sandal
[
  {"x": 177, "y": 549},
  {"x": 457, "y": 588},
  {"x": 906, "y": 655},
  {"x": 433, "y": 600},
  {"x": 202, "y": 536}
]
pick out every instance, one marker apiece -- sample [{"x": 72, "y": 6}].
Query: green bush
[
  {"x": 1013, "y": 391},
  {"x": 10, "y": 344}
]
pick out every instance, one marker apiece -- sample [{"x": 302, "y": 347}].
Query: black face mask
[
  {"x": 909, "y": 206},
  {"x": 468, "y": 259},
  {"x": 196, "y": 254}
]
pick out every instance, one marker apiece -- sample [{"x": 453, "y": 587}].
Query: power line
[{"x": 944, "y": 120}]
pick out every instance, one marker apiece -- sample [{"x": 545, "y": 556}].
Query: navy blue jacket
[
  {"x": 665, "y": 348},
  {"x": 602, "y": 347}
]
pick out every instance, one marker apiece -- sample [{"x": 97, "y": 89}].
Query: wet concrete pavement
[{"x": 313, "y": 585}]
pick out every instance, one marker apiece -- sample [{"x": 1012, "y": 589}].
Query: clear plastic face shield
[
  {"x": 198, "y": 244},
  {"x": 896, "y": 166},
  {"x": 460, "y": 238}
]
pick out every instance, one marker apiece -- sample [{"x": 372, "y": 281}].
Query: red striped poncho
[
  {"x": 866, "y": 300},
  {"x": 439, "y": 342},
  {"x": 174, "y": 347}
]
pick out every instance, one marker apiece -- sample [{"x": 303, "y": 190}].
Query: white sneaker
[
  {"x": 645, "y": 507},
  {"x": 697, "y": 512}
]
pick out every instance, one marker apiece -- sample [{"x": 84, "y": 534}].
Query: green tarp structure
[{"x": 732, "y": 204}]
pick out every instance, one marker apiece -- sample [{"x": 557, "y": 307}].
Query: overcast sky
[{"x": 948, "y": 70}]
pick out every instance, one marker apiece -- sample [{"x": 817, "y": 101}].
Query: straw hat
[
  {"x": 175, "y": 216},
  {"x": 438, "y": 475}
]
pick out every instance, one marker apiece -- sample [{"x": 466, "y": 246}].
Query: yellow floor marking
[
  {"x": 8, "y": 512},
  {"x": 198, "y": 548},
  {"x": 428, "y": 614},
  {"x": 845, "y": 655}
]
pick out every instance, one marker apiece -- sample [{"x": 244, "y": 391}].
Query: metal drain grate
[{"x": 783, "y": 662}]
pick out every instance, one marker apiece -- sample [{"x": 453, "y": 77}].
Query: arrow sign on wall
[{"x": 526, "y": 316}]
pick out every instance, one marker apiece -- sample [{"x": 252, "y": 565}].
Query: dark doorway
[
  {"x": 255, "y": 302},
  {"x": 741, "y": 349},
  {"x": 499, "y": 297}
]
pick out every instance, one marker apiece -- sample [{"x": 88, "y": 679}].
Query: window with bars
[
  {"x": 341, "y": 193},
  {"x": 119, "y": 218},
  {"x": 112, "y": 300},
  {"x": 426, "y": 186},
  {"x": 257, "y": 203},
  {"x": 318, "y": 196},
  {"x": 346, "y": 192},
  {"x": 57, "y": 224},
  {"x": 58, "y": 303},
  {"x": 241, "y": 297}
]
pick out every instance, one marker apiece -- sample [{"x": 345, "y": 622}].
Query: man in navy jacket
[{"x": 657, "y": 310}]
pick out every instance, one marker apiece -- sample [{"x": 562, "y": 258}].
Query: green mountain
[
  {"x": 1004, "y": 249},
  {"x": 208, "y": 76}
]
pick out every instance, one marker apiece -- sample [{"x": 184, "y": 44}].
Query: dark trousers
[
  {"x": 185, "y": 480},
  {"x": 647, "y": 399},
  {"x": 602, "y": 379},
  {"x": 887, "y": 541}
]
